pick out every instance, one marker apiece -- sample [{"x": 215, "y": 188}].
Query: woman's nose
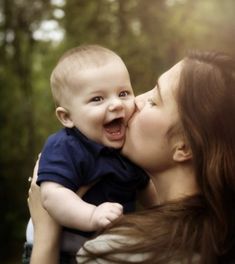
[
  {"x": 140, "y": 100},
  {"x": 115, "y": 105}
]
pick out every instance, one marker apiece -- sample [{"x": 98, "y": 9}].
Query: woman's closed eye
[{"x": 151, "y": 102}]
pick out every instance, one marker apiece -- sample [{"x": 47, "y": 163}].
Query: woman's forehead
[
  {"x": 174, "y": 72},
  {"x": 167, "y": 82}
]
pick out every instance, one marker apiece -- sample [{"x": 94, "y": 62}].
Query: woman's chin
[{"x": 127, "y": 151}]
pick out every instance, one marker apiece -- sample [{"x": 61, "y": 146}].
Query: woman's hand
[{"x": 46, "y": 244}]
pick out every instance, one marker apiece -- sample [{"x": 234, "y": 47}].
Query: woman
[{"x": 182, "y": 134}]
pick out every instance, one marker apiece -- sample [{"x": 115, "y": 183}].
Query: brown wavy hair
[{"x": 204, "y": 224}]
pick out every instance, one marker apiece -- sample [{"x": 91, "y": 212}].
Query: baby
[{"x": 94, "y": 101}]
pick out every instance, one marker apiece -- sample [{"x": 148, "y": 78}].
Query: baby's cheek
[{"x": 130, "y": 110}]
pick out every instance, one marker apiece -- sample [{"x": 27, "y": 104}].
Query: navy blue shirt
[{"x": 72, "y": 160}]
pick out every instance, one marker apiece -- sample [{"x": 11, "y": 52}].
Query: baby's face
[{"x": 103, "y": 103}]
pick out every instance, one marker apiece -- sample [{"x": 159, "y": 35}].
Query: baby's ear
[
  {"x": 64, "y": 117},
  {"x": 182, "y": 152}
]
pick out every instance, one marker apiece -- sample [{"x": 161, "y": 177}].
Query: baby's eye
[
  {"x": 123, "y": 93},
  {"x": 96, "y": 99},
  {"x": 151, "y": 102}
]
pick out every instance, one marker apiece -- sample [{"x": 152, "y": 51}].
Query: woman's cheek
[{"x": 136, "y": 137}]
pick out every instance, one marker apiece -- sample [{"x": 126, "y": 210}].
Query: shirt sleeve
[
  {"x": 105, "y": 243},
  {"x": 61, "y": 161}
]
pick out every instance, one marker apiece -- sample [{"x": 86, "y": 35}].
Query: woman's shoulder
[
  {"x": 109, "y": 242},
  {"x": 105, "y": 243}
]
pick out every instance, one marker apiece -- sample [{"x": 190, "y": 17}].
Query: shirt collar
[{"x": 94, "y": 147}]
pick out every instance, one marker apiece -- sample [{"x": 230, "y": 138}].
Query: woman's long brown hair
[
  {"x": 206, "y": 102},
  {"x": 201, "y": 225}
]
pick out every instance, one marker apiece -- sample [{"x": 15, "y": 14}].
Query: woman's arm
[{"x": 46, "y": 245}]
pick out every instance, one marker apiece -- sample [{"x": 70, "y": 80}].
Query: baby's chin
[{"x": 114, "y": 144}]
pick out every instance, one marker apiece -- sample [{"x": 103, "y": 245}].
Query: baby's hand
[{"x": 105, "y": 213}]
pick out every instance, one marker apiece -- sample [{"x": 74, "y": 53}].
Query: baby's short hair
[{"x": 82, "y": 57}]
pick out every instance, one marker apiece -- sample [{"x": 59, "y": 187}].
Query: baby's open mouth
[
  {"x": 115, "y": 126},
  {"x": 115, "y": 129}
]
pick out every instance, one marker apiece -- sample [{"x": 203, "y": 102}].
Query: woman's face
[{"x": 146, "y": 142}]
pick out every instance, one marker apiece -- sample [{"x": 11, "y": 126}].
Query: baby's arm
[
  {"x": 69, "y": 210},
  {"x": 148, "y": 196}
]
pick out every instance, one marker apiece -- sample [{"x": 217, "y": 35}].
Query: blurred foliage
[{"x": 149, "y": 35}]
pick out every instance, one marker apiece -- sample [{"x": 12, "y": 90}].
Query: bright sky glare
[{"x": 49, "y": 30}]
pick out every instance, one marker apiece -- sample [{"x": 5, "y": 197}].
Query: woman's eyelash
[{"x": 151, "y": 102}]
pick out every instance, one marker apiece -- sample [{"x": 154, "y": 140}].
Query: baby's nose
[{"x": 115, "y": 104}]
